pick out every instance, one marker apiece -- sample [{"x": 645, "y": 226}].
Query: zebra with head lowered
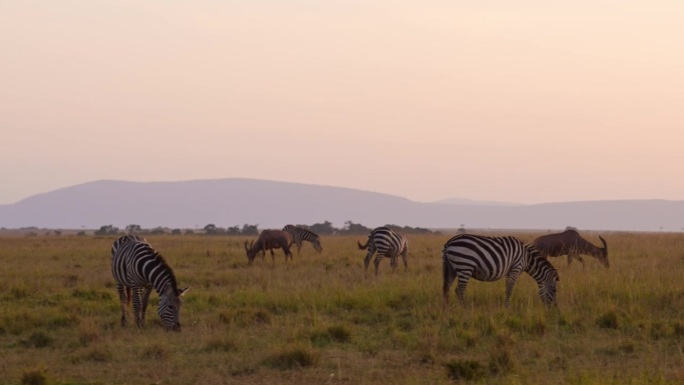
[
  {"x": 492, "y": 258},
  {"x": 137, "y": 269},
  {"x": 300, "y": 234},
  {"x": 387, "y": 243}
]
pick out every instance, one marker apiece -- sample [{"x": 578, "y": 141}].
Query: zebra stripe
[
  {"x": 492, "y": 258},
  {"x": 137, "y": 269},
  {"x": 386, "y": 243},
  {"x": 300, "y": 234}
]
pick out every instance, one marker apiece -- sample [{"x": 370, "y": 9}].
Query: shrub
[
  {"x": 34, "y": 377},
  {"x": 465, "y": 370},
  {"x": 608, "y": 320},
  {"x": 292, "y": 359},
  {"x": 38, "y": 340}
]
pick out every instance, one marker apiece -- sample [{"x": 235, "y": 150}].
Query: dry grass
[{"x": 318, "y": 320}]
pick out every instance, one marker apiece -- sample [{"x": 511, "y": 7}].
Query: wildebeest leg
[
  {"x": 575, "y": 256},
  {"x": 273, "y": 255},
  {"x": 579, "y": 258}
]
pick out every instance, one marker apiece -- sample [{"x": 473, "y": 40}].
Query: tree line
[{"x": 325, "y": 228}]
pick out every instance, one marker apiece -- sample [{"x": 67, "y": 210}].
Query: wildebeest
[
  {"x": 570, "y": 243},
  {"x": 269, "y": 240}
]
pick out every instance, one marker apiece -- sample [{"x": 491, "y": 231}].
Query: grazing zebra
[
  {"x": 386, "y": 243},
  {"x": 137, "y": 269},
  {"x": 300, "y": 234},
  {"x": 492, "y": 258}
]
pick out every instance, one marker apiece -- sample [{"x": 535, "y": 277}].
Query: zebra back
[{"x": 122, "y": 240}]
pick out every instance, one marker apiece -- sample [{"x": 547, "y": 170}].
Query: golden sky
[{"x": 526, "y": 101}]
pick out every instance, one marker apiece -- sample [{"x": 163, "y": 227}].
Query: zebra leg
[
  {"x": 394, "y": 262},
  {"x": 145, "y": 297},
  {"x": 125, "y": 299},
  {"x": 447, "y": 280},
  {"x": 463, "y": 278},
  {"x": 366, "y": 261},
  {"x": 137, "y": 306},
  {"x": 511, "y": 278},
  {"x": 299, "y": 246},
  {"x": 404, "y": 258},
  {"x": 376, "y": 262}
]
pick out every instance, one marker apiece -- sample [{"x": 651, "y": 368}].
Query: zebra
[
  {"x": 387, "y": 243},
  {"x": 492, "y": 258},
  {"x": 137, "y": 269},
  {"x": 300, "y": 234}
]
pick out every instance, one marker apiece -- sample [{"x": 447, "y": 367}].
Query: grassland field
[{"x": 317, "y": 320}]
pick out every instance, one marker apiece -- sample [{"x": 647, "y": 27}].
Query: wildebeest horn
[
  {"x": 605, "y": 245},
  {"x": 605, "y": 251}
]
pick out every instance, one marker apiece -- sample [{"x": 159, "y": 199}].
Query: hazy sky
[{"x": 521, "y": 101}]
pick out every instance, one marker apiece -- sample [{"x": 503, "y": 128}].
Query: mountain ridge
[{"x": 272, "y": 204}]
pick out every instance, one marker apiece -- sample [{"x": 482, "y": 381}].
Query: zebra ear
[{"x": 182, "y": 291}]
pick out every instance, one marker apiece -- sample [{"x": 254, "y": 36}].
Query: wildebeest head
[{"x": 251, "y": 252}]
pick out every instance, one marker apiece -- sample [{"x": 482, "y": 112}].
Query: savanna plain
[{"x": 318, "y": 320}]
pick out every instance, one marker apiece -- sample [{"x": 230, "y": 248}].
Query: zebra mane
[{"x": 172, "y": 276}]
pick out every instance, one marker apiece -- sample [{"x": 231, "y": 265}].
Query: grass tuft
[
  {"x": 37, "y": 376},
  {"x": 38, "y": 339},
  {"x": 291, "y": 359},
  {"x": 465, "y": 370},
  {"x": 608, "y": 320}
]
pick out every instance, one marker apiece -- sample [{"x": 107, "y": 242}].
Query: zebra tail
[
  {"x": 446, "y": 273},
  {"x": 363, "y": 247}
]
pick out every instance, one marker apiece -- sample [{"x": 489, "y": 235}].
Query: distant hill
[
  {"x": 460, "y": 201},
  {"x": 268, "y": 204}
]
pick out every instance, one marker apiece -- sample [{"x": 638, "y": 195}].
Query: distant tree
[
  {"x": 81, "y": 233},
  {"x": 107, "y": 230},
  {"x": 57, "y": 232},
  {"x": 210, "y": 229},
  {"x": 325, "y": 228},
  {"x": 233, "y": 230},
  {"x": 351, "y": 228},
  {"x": 176, "y": 232},
  {"x": 189, "y": 232},
  {"x": 133, "y": 229},
  {"x": 157, "y": 231},
  {"x": 250, "y": 229}
]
